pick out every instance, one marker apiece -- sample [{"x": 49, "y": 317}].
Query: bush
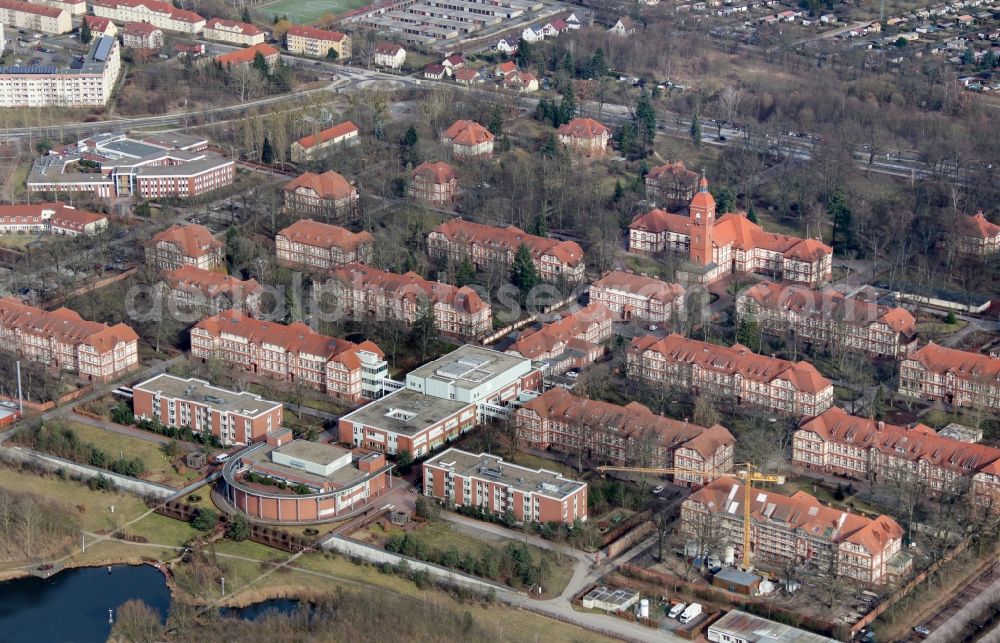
[
  {"x": 238, "y": 528},
  {"x": 204, "y": 520}
]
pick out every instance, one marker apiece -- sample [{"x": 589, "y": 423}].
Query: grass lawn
[
  {"x": 18, "y": 241},
  {"x": 538, "y": 462},
  {"x": 936, "y": 328},
  {"x": 645, "y": 265},
  {"x": 306, "y": 11},
  {"x": 158, "y": 466},
  {"x": 163, "y": 530}
]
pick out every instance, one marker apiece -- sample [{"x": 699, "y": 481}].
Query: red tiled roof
[
  {"x": 209, "y": 283},
  {"x": 508, "y": 67},
  {"x": 633, "y": 420},
  {"x": 438, "y": 173},
  {"x": 409, "y": 286},
  {"x": 801, "y": 512},
  {"x": 97, "y": 23},
  {"x": 584, "y": 128},
  {"x": 735, "y": 359},
  {"x": 27, "y": 7},
  {"x": 918, "y": 443},
  {"x": 468, "y": 133},
  {"x": 154, "y": 6},
  {"x": 533, "y": 343},
  {"x": 245, "y": 28},
  {"x": 965, "y": 365},
  {"x": 657, "y": 221},
  {"x": 455, "y": 59},
  {"x": 978, "y": 226},
  {"x": 511, "y": 237},
  {"x": 434, "y": 69},
  {"x": 388, "y": 48},
  {"x": 315, "y": 34},
  {"x": 61, "y": 215},
  {"x": 337, "y": 131},
  {"x": 192, "y": 240},
  {"x": 296, "y": 338},
  {"x": 675, "y": 170},
  {"x": 246, "y": 56},
  {"x": 466, "y": 74},
  {"x": 324, "y": 235},
  {"x": 63, "y": 324},
  {"x": 328, "y": 185},
  {"x": 648, "y": 287},
  {"x": 139, "y": 29}
]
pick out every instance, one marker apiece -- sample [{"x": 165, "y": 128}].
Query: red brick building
[
  {"x": 797, "y": 527},
  {"x": 483, "y": 480},
  {"x": 292, "y": 353},
  {"x": 573, "y": 340},
  {"x": 434, "y": 183},
  {"x": 210, "y": 292},
  {"x": 638, "y": 297},
  {"x": 234, "y": 418},
  {"x": 362, "y": 292},
  {"x": 327, "y": 195},
  {"x": 837, "y": 443},
  {"x": 585, "y": 136},
  {"x": 948, "y": 375},
  {"x": 484, "y": 245},
  {"x": 735, "y": 373},
  {"x": 630, "y": 435},
  {"x": 468, "y": 139},
  {"x": 187, "y": 245},
  {"x": 64, "y": 340},
  {"x": 830, "y": 319},
  {"x": 310, "y": 482},
  {"x": 319, "y": 246},
  {"x": 731, "y": 244}
]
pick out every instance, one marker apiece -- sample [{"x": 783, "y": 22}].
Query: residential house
[
  {"x": 434, "y": 71},
  {"x": 316, "y": 246},
  {"x": 484, "y": 244},
  {"x": 773, "y": 385},
  {"x": 142, "y": 35},
  {"x": 187, "y": 245},
  {"x": 572, "y": 340},
  {"x": 467, "y": 76},
  {"x": 238, "y": 33},
  {"x": 101, "y": 26},
  {"x": 586, "y": 136},
  {"x": 327, "y": 195},
  {"x": 521, "y": 81},
  {"x": 454, "y": 62},
  {"x": 389, "y": 54},
  {"x": 468, "y": 139},
  {"x": 504, "y": 68},
  {"x": 624, "y": 27},
  {"x": 318, "y": 43},
  {"x": 433, "y": 182}
]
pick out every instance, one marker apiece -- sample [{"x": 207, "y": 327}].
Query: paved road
[{"x": 958, "y": 610}]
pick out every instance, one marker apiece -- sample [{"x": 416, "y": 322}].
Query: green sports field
[{"x": 306, "y": 11}]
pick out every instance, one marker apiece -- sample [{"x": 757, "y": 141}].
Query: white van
[
  {"x": 676, "y": 610},
  {"x": 219, "y": 459},
  {"x": 692, "y": 612}
]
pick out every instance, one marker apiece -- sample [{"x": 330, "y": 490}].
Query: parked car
[
  {"x": 676, "y": 610},
  {"x": 921, "y": 629},
  {"x": 658, "y": 489}
]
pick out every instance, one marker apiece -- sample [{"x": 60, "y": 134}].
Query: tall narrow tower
[{"x": 702, "y": 213}]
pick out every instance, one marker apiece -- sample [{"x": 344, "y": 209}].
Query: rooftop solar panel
[
  {"x": 103, "y": 49},
  {"x": 32, "y": 69}
]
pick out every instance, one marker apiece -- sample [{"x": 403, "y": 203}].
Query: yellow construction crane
[{"x": 745, "y": 471}]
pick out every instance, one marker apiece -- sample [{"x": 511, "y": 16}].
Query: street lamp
[{"x": 223, "y": 579}]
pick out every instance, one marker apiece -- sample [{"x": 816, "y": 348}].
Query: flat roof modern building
[
  {"x": 484, "y": 480},
  {"x": 740, "y": 627},
  {"x": 233, "y": 417},
  {"x": 81, "y": 83},
  {"x": 283, "y": 480}
]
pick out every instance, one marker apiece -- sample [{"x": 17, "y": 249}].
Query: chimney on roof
[{"x": 880, "y": 425}]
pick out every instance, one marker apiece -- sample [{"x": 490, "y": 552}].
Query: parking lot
[{"x": 25, "y": 50}]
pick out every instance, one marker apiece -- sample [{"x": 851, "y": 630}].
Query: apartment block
[
  {"x": 433, "y": 182},
  {"x": 187, "y": 245},
  {"x": 630, "y": 435},
  {"x": 960, "y": 378},
  {"x": 671, "y": 185},
  {"x": 731, "y": 244},
  {"x": 292, "y": 353},
  {"x": 142, "y": 35},
  {"x": 638, "y": 297},
  {"x": 316, "y": 246},
  {"x": 233, "y": 417},
  {"x": 159, "y": 14},
  {"x": 837, "y": 443},
  {"x": 327, "y": 195},
  {"x": 53, "y": 218},
  {"x": 210, "y": 292},
  {"x": 323, "y": 143},
  {"x": 317, "y": 42},
  {"x": 87, "y": 84},
  {"x": 830, "y": 319},
  {"x": 363, "y": 292},
  {"x": 64, "y": 340},
  {"x": 483, "y": 480},
  {"x": 736, "y": 373},
  {"x": 100, "y": 26},
  {"x": 572, "y": 340},
  {"x": 238, "y": 33},
  {"x": 484, "y": 245},
  {"x": 797, "y": 527},
  {"x": 37, "y": 17},
  {"x": 468, "y": 139},
  {"x": 441, "y": 400},
  {"x": 72, "y": 7}
]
